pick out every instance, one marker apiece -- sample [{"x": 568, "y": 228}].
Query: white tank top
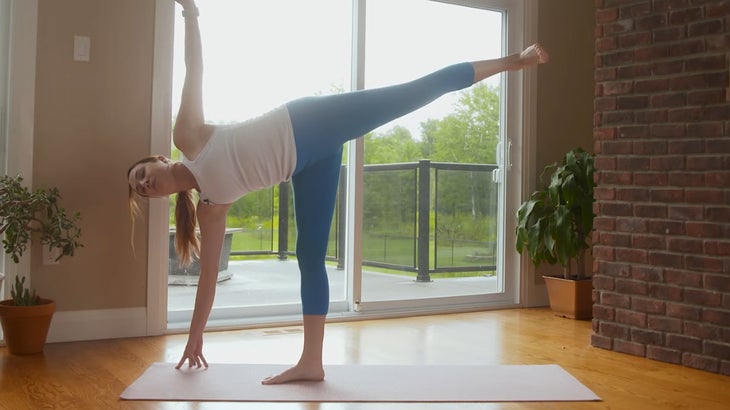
[{"x": 245, "y": 157}]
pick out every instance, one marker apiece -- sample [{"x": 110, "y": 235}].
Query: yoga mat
[{"x": 362, "y": 383}]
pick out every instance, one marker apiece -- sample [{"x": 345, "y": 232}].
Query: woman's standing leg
[{"x": 315, "y": 194}]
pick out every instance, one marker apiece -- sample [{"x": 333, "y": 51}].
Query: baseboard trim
[{"x": 74, "y": 326}]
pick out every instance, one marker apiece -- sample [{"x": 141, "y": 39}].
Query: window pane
[{"x": 407, "y": 39}]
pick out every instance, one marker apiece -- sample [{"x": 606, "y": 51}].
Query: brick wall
[{"x": 662, "y": 144}]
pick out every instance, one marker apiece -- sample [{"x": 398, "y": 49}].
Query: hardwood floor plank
[{"x": 91, "y": 375}]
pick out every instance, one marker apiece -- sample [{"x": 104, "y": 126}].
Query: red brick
[
  {"x": 610, "y": 329},
  {"x": 687, "y": 47},
  {"x": 684, "y": 245},
  {"x": 686, "y": 179},
  {"x": 700, "y": 362},
  {"x": 704, "y": 196},
  {"x": 636, "y": 349},
  {"x": 605, "y": 253},
  {"x": 650, "y": 86},
  {"x": 651, "y": 116},
  {"x": 633, "y": 131},
  {"x": 717, "y": 9},
  {"x": 617, "y": 26},
  {"x": 667, "y": 163},
  {"x": 631, "y": 318},
  {"x": 683, "y": 278},
  {"x": 601, "y": 342},
  {"x": 632, "y": 163},
  {"x": 664, "y": 354},
  {"x": 617, "y": 118},
  {"x": 719, "y": 42},
  {"x": 704, "y": 97},
  {"x": 604, "y": 133},
  {"x": 616, "y": 147},
  {"x": 702, "y": 330},
  {"x": 664, "y": 324},
  {"x": 667, "y": 195},
  {"x": 716, "y": 248},
  {"x": 651, "y": 178},
  {"x": 603, "y": 312},
  {"x": 669, "y": 34},
  {"x": 618, "y": 88},
  {"x": 684, "y": 16},
  {"x": 603, "y": 282},
  {"x": 648, "y": 305},
  {"x": 604, "y": 104},
  {"x": 633, "y": 71},
  {"x": 666, "y": 292},
  {"x": 685, "y": 115},
  {"x": 684, "y": 343},
  {"x": 667, "y": 131},
  {"x": 631, "y": 255},
  {"x": 717, "y": 317},
  {"x": 615, "y": 239},
  {"x": 686, "y": 212},
  {"x": 615, "y": 208},
  {"x": 708, "y": 162},
  {"x": 703, "y": 229},
  {"x": 606, "y": 44},
  {"x": 718, "y": 350},
  {"x": 650, "y": 147},
  {"x": 647, "y": 273},
  {"x": 683, "y": 311},
  {"x": 605, "y": 74},
  {"x": 612, "y": 299},
  {"x": 720, "y": 179},
  {"x": 720, "y": 283},
  {"x": 704, "y": 263},
  {"x": 704, "y": 130},
  {"x": 702, "y": 297},
  {"x": 719, "y": 214},
  {"x": 632, "y": 225},
  {"x": 668, "y": 100},
  {"x": 666, "y": 227},
  {"x": 647, "y": 337},
  {"x": 630, "y": 287},
  {"x": 651, "y": 22},
  {"x": 704, "y": 28},
  {"x": 650, "y": 211},
  {"x": 716, "y": 113},
  {"x": 601, "y": 223},
  {"x": 685, "y": 147}
]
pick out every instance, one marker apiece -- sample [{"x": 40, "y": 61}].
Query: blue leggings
[{"x": 321, "y": 126}]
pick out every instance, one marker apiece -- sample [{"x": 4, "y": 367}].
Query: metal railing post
[
  {"x": 284, "y": 189},
  {"x": 424, "y": 208}
]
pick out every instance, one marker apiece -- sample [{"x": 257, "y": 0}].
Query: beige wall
[
  {"x": 565, "y": 87},
  {"x": 93, "y": 119}
]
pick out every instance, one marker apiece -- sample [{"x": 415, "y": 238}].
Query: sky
[{"x": 260, "y": 54}]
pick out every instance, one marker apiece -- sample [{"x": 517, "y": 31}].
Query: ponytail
[{"x": 187, "y": 244}]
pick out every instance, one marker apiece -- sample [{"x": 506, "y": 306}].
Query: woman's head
[{"x": 153, "y": 177}]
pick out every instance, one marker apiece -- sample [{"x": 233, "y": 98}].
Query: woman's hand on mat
[{"x": 193, "y": 355}]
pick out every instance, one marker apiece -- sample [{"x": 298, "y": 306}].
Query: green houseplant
[
  {"x": 26, "y": 317},
  {"x": 554, "y": 226}
]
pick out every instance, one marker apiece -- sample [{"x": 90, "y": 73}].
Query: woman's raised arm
[{"x": 189, "y": 133}]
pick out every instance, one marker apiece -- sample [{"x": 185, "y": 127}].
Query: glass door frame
[{"x": 520, "y": 27}]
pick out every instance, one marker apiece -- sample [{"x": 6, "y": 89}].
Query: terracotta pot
[
  {"x": 570, "y": 298},
  {"x": 25, "y": 328}
]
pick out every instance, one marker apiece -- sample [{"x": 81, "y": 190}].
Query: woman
[{"x": 300, "y": 140}]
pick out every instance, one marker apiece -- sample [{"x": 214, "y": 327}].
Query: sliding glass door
[{"x": 420, "y": 221}]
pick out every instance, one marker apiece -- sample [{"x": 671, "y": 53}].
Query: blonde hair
[{"x": 187, "y": 243}]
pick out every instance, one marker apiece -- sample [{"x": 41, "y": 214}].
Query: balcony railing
[{"x": 422, "y": 217}]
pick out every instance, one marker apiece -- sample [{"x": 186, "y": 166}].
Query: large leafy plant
[
  {"x": 554, "y": 224},
  {"x": 23, "y": 213}
]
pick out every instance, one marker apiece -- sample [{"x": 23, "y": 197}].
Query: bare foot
[
  {"x": 299, "y": 372},
  {"x": 532, "y": 55}
]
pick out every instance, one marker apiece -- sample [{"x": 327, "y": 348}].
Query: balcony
[{"x": 429, "y": 230}]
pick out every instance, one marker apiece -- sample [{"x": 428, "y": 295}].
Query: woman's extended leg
[
  {"x": 315, "y": 193},
  {"x": 322, "y": 124}
]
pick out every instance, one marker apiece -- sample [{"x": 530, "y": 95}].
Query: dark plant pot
[
  {"x": 570, "y": 298},
  {"x": 25, "y": 328}
]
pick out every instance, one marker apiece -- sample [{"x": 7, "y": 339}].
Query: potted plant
[
  {"x": 554, "y": 225},
  {"x": 26, "y": 317}
]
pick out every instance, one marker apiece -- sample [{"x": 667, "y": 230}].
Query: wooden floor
[{"x": 91, "y": 375}]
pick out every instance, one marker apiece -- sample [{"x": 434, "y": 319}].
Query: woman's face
[{"x": 152, "y": 178}]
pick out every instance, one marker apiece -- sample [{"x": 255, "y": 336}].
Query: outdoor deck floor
[{"x": 262, "y": 282}]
